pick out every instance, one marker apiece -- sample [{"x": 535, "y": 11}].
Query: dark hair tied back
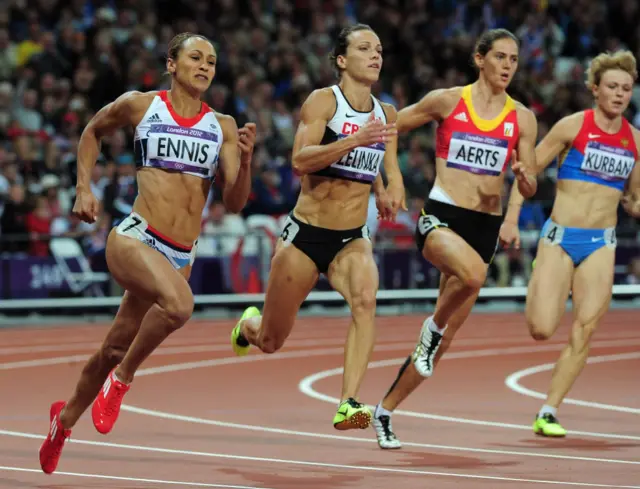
[
  {"x": 176, "y": 44},
  {"x": 340, "y": 47}
]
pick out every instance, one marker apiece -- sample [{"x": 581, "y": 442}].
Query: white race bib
[
  {"x": 477, "y": 153},
  {"x": 181, "y": 148},
  {"x": 607, "y": 162}
]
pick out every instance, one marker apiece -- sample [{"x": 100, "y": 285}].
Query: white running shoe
[
  {"x": 426, "y": 349},
  {"x": 386, "y": 437}
]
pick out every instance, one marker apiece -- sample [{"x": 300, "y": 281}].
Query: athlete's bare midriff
[
  {"x": 332, "y": 203},
  {"x": 585, "y": 205},
  {"x": 482, "y": 193},
  {"x": 172, "y": 203}
]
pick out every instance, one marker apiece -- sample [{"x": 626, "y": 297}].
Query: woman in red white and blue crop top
[
  {"x": 597, "y": 170},
  {"x": 180, "y": 146}
]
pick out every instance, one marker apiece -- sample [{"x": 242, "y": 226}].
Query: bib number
[
  {"x": 132, "y": 224},
  {"x": 554, "y": 234},
  {"x": 427, "y": 223},
  {"x": 289, "y": 231}
]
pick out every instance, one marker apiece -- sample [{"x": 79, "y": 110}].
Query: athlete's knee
[
  {"x": 474, "y": 276},
  {"x": 363, "y": 302},
  {"x": 271, "y": 343},
  {"x": 540, "y": 329},
  {"x": 540, "y": 322},
  {"x": 177, "y": 307},
  {"x": 272, "y": 336}
]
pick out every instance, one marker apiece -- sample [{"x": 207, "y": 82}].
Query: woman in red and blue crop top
[{"x": 597, "y": 169}]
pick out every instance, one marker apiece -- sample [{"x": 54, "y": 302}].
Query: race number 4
[{"x": 554, "y": 234}]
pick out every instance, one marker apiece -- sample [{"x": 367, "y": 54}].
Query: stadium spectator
[{"x": 60, "y": 61}]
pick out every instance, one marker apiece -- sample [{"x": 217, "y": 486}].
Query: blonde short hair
[{"x": 620, "y": 60}]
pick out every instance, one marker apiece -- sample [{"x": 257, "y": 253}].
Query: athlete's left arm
[
  {"x": 235, "y": 162},
  {"x": 631, "y": 197},
  {"x": 395, "y": 183},
  {"x": 523, "y": 162}
]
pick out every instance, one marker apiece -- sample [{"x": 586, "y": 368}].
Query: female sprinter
[
  {"x": 480, "y": 131},
  {"x": 178, "y": 141},
  {"x": 576, "y": 251},
  {"x": 339, "y": 147}
]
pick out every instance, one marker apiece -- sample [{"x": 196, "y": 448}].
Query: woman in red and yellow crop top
[{"x": 481, "y": 131}]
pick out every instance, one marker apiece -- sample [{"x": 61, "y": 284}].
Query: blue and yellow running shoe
[
  {"x": 239, "y": 343},
  {"x": 352, "y": 415},
  {"x": 548, "y": 425}
]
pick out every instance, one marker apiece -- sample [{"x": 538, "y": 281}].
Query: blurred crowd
[{"x": 62, "y": 60}]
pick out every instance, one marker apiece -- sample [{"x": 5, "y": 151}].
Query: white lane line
[
  {"x": 306, "y": 387},
  {"x": 305, "y": 463},
  {"x": 129, "y": 479},
  {"x": 282, "y": 431},
  {"x": 513, "y": 382}
]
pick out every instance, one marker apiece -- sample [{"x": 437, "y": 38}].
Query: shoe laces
[
  {"x": 550, "y": 418},
  {"x": 114, "y": 401},
  {"x": 435, "y": 341},
  {"x": 353, "y": 403},
  {"x": 385, "y": 422}
]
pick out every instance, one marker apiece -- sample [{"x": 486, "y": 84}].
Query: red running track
[{"x": 197, "y": 416}]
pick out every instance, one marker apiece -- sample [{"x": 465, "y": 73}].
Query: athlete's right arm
[
  {"x": 433, "y": 106},
  {"x": 559, "y": 136},
  {"x": 118, "y": 113},
  {"x": 308, "y": 154}
]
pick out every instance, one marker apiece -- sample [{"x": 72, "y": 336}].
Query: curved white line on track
[
  {"x": 512, "y": 382},
  {"x": 306, "y": 387},
  {"x": 304, "y": 463},
  {"x": 129, "y": 479},
  {"x": 295, "y": 354},
  {"x": 282, "y": 431}
]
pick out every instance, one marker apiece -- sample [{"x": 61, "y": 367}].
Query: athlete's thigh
[
  {"x": 292, "y": 276},
  {"x": 452, "y": 255},
  {"x": 145, "y": 272},
  {"x": 353, "y": 273},
  {"x": 548, "y": 288},
  {"x": 592, "y": 284}
]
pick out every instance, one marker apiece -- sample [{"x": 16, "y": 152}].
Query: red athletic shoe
[
  {"x": 106, "y": 407},
  {"x": 51, "y": 449}
]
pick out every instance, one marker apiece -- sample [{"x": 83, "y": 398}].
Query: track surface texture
[{"x": 196, "y": 416}]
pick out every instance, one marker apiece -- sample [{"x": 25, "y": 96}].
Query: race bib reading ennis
[
  {"x": 477, "y": 153},
  {"x": 181, "y": 148},
  {"x": 607, "y": 162}
]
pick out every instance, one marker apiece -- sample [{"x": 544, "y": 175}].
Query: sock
[
  {"x": 380, "y": 411},
  {"x": 119, "y": 379},
  {"x": 548, "y": 410},
  {"x": 434, "y": 327}
]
